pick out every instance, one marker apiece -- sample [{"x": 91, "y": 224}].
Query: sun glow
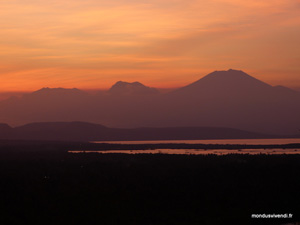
[{"x": 92, "y": 44}]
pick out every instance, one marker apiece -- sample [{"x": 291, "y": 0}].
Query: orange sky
[{"x": 161, "y": 43}]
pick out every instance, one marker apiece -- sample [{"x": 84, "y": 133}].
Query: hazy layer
[{"x": 231, "y": 99}]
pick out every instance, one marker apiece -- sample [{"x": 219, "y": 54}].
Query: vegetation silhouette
[{"x": 41, "y": 183}]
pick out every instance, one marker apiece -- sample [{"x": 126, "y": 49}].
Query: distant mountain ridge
[
  {"x": 125, "y": 88},
  {"x": 82, "y": 131},
  {"x": 227, "y": 79},
  {"x": 229, "y": 98}
]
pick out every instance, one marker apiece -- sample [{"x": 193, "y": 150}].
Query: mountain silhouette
[
  {"x": 56, "y": 91},
  {"x": 228, "y": 98},
  {"x": 82, "y": 131},
  {"x": 234, "y": 99},
  {"x": 58, "y": 131},
  {"x": 125, "y": 88},
  {"x": 224, "y": 81}
]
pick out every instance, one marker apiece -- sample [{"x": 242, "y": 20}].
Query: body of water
[
  {"x": 198, "y": 151},
  {"x": 220, "y": 141},
  {"x": 204, "y": 151}
]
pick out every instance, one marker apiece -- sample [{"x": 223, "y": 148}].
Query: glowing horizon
[{"x": 92, "y": 44}]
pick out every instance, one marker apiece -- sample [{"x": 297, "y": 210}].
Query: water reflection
[{"x": 198, "y": 151}]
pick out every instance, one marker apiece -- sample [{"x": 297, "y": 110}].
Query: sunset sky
[{"x": 90, "y": 44}]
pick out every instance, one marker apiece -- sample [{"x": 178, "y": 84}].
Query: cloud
[{"x": 158, "y": 38}]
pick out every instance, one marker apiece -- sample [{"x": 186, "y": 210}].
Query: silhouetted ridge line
[
  {"x": 74, "y": 124},
  {"x": 4, "y": 126},
  {"x": 229, "y": 98},
  {"x": 82, "y": 131},
  {"x": 227, "y": 79},
  {"x": 127, "y": 88}
]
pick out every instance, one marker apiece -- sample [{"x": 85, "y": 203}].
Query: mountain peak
[
  {"x": 232, "y": 70},
  {"x": 232, "y": 78},
  {"x": 226, "y": 80},
  {"x": 46, "y": 91},
  {"x": 122, "y": 87},
  {"x": 228, "y": 74},
  {"x": 59, "y": 89}
]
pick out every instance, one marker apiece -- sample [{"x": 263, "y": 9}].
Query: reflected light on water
[{"x": 198, "y": 151}]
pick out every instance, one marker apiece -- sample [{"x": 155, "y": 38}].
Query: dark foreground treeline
[
  {"x": 64, "y": 146},
  {"x": 56, "y": 187}
]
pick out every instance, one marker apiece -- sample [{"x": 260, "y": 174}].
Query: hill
[
  {"x": 229, "y": 98},
  {"x": 82, "y": 131}
]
